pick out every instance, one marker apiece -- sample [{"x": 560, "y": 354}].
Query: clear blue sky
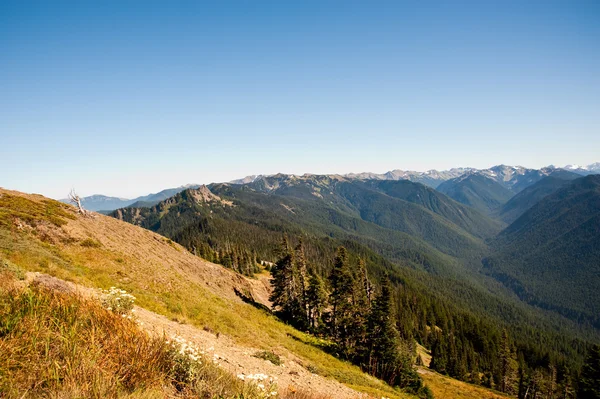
[{"x": 130, "y": 97}]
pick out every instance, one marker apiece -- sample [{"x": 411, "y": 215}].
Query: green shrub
[
  {"x": 270, "y": 356},
  {"x": 313, "y": 369}
]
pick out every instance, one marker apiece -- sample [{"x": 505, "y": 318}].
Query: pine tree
[
  {"x": 301, "y": 284},
  {"x": 284, "y": 290},
  {"x": 389, "y": 359},
  {"x": 508, "y": 365},
  {"x": 342, "y": 289},
  {"x": 589, "y": 384},
  {"x": 367, "y": 289},
  {"x": 567, "y": 390},
  {"x": 439, "y": 355},
  {"x": 316, "y": 300},
  {"x": 361, "y": 304}
]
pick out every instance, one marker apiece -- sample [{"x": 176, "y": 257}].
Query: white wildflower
[{"x": 117, "y": 301}]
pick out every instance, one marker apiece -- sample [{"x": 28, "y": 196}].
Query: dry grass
[
  {"x": 58, "y": 345},
  {"x": 425, "y": 355},
  {"x": 54, "y": 344},
  {"x": 445, "y": 387}
]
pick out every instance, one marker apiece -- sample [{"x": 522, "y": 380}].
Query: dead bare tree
[{"x": 76, "y": 200}]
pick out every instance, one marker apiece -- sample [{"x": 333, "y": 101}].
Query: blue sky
[{"x": 130, "y": 97}]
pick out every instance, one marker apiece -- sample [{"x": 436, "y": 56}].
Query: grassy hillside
[
  {"x": 445, "y": 387},
  {"x": 41, "y": 235}
]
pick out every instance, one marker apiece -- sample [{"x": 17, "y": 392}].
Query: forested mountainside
[
  {"x": 477, "y": 191},
  {"x": 401, "y": 220},
  {"x": 430, "y": 246},
  {"x": 530, "y": 196},
  {"x": 550, "y": 255}
]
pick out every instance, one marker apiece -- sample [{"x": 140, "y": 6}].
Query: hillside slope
[
  {"x": 45, "y": 236},
  {"x": 530, "y": 196},
  {"x": 550, "y": 256},
  {"x": 477, "y": 191}
]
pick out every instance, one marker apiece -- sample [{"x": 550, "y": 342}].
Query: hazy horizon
[{"x": 157, "y": 189}]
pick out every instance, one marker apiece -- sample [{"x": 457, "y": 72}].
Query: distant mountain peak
[{"x": 593, "y": 168}]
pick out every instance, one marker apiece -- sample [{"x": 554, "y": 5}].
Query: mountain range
[
  {"x": 413, "y": 226},
  {"x": 482, "y": 227},
  {"x": 515, "y": 178}
]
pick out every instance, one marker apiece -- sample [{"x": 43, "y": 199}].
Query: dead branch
[{"x": 76, "y": 200}]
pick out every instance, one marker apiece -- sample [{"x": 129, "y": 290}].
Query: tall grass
[{"x": 59, "y": 345}]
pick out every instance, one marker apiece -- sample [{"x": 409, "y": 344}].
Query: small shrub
[
  {"x": 208, "y": 329},
  {"x": 90, "y": 243},
  {"x": 118, "y": 301},
  {"x": 313, "y": 369},
  {"x": 8, "y": 266},
  {"x": 270, "y": 356},
  {"x": 425, "y": 393}
]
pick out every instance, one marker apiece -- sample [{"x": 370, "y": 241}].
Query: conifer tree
[
  {"x": 567, "y": 390},
  {"x": 388, "y": 358},
  {"x": 508, "y": 365},
  {"x": 284, "y": 290},
  {"x": 342, "y": 289},
  {"x": 439, "y": 355},
  {"x": 361, "y": 303},
  {"x": 367, "y": 289},
  {"x": 301, "y": 284},
  {"x": 316, "y": 300},
  {"x": 589, "y": 383}
]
